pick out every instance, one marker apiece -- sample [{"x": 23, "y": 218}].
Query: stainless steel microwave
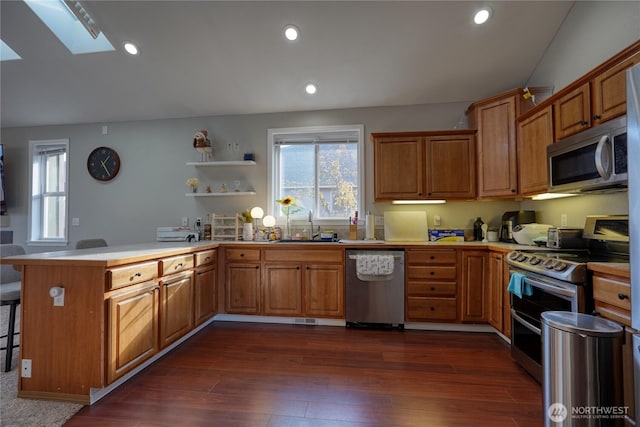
[{"x": 594, "y": 160}]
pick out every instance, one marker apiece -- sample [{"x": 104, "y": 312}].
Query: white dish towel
[{"x": 374, "y": 265}]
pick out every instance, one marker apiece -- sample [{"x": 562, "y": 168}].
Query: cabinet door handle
[
  {"x": 433, "y": 288},
  {"x": 308, "y": 268},
  {"x": 513, "y": 190},
  {"x": 241, "y": 255},
  {"x": 623, "y": 296},
  {"x": 432, "y": 273},
  {"x": 597, "y": 117},
  {"x": 257, "y": 267},
  {"x": 298, "y": 267},
  {"x": 584, "y": 122},
  {"x": 432, "y": 308}
]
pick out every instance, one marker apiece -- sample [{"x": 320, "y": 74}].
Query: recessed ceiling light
[
  {"x": 291, "y": 32},
  {"x": 311, "y": 88},
  {"x": 131, "y": 48},
  {"x": 482, "y": 15}
]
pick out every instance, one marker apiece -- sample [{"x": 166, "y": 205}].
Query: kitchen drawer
[
  {"x": 431, "y": 289},
  {"x": 120, "y": 277},
  {"x": 446, "y": 256},
  {"x": 310, "y": 255},
  {"x": 432, "y": 309},
  {"x": 176, "y": 264},
  {"x": 205, "y": 257},
  {"x": 612, "y": 291},
  {"x": 612, "y": 312},
  {"x": 243, "y": 254},
  {"x": 431, "y": 272}
]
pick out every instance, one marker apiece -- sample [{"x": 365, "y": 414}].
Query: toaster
[{"x": 565, "y": 238}]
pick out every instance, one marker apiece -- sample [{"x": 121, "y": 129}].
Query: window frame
[
  {"x": 273, "y": 207},
  {"x": 35, "y": 232}
]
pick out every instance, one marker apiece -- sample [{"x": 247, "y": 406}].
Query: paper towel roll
[{"x": 370, "y": 227}]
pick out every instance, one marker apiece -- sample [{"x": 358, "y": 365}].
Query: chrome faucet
[{"x": 312, "y": 236}]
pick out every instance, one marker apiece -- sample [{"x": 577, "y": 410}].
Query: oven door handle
[
  {"x": 524, "y": 323},
  {"x": 555, "y": 290}
]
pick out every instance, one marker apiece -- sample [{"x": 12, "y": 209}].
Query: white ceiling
[{"x": 205, "y": 58}]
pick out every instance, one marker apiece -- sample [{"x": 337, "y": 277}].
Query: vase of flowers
[
  {"x": 193, "y": 183},
  {"x": 288, "y": 207},
  {"x": 247, "y": 227}
]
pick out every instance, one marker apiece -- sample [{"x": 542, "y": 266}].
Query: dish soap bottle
[{"x": 477, "y": 229}]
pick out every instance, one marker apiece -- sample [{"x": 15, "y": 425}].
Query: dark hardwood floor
[{"x": 249, "y": 374}]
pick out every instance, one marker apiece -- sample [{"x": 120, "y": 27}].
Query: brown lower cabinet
[
  {"x": 612, "y": 300},
  {"x": 431, "y": 285},
  {"x": 176, "y": 309},
  {"x": 474, "y": 278},
  {"x": 499, "y": 297},
  {"x": 133, "y": 328},
  {"x": 285, "y": 282}
]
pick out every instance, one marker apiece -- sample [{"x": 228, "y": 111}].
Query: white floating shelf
[
  {"x": 224, "y": 163},
  {"x": 228, "y": 193}
]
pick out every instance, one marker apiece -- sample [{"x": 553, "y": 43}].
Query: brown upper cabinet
[
  {"x": 534, "y": 134},
  {"x": 424, "y": 165},
  {"x": 594, "y": 99},
  {"x": 494, "y": 119}
]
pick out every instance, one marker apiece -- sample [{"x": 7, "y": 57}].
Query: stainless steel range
[{"x": 558, "y": 280}]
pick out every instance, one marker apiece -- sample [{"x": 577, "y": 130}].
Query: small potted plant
[{"x": 193, "y": 183}]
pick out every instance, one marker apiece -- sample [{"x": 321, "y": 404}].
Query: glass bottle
[{"x": 477, "y": 229}]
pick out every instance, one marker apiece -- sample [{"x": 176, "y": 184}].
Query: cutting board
[{"x": 405, "y": 226}]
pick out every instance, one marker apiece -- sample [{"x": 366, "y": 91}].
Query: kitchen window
[
  {"x": 320, "y": 167},
  {"x": 48, "y": 202}
]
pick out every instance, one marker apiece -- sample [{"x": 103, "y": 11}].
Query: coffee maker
[{"x": 511, "y": 219}]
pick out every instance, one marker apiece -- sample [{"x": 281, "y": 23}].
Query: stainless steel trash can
[{"x": 582, "y": 370}]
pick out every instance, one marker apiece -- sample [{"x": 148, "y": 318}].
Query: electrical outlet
[
  {"x": 436, "y": 220},
  {"x": 229, "y": 146},
  {"x": 236, "y": 147},
  {"x": 185, "y": 221},
  {"x": 379, "y": 220},
  {"x": 75, "y": 222},
  {"x": 26, "y": 368},
  {"x": 563, "y": 220}
]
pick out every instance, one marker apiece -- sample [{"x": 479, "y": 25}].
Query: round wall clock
[{"x": 103, "y": 163}]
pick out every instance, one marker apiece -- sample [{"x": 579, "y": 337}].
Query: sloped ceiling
[{"x": 214, "y": 58}]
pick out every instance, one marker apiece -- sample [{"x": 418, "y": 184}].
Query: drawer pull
[
  {"x": 432, "y": 257},
  {"x": 433, "y": 288},
  {"x": 623, "y": 296},
  {"x": 241, "y": 255},
  {"x": 178, "y": 266},
  {"x": 207, "y": 258},
  {"x": 432, "y": 273},
  {"x": 432, "y": 308},
  {"x": 135, "y": 275}
]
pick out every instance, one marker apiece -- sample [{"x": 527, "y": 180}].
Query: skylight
[
  {"x": 6, "y": 53},
  {"x": 66, "y": 26}
]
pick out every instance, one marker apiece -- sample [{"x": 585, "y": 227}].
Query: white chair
[
  {"x": 10, "y": 280},
  {"x": 90, "y": 243}
]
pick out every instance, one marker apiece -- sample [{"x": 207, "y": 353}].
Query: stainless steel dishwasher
[{"x": 374, "y": 295}]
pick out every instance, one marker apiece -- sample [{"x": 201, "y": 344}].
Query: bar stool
[{"x": 10, "y": 295}]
